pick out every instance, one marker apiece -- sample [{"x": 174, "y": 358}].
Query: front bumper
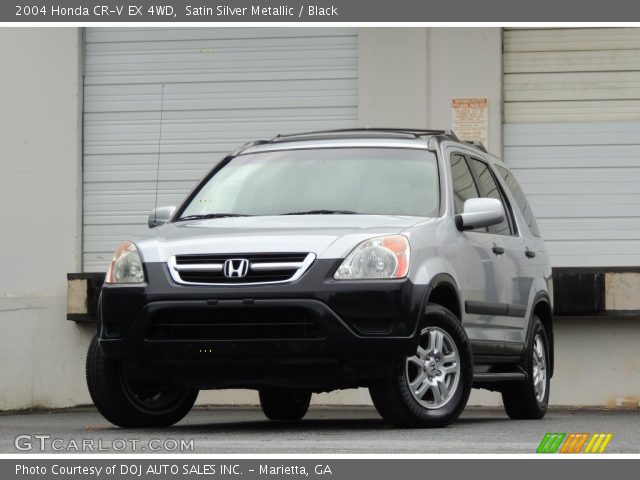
[{"x": 312, "y": 322}]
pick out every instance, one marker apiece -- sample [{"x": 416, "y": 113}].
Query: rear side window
[
  {"x": 490, "y": 189},
  {"x": 521, "y": 200}
]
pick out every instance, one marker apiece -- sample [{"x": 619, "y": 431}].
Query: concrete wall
[
  {"x": 392, "y": 77},
  {"x": 408, "y": 76},
  {"x": 466, "y": 62},
  {"x": 41, "y": 353}
]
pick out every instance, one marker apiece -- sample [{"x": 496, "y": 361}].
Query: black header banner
[{"x": 172, "y": 11}]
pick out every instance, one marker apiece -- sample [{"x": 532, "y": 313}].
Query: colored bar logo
[{"x": 574, "y": 443}]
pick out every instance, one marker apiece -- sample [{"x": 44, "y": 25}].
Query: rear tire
[
  {"x": 128, "y": 403},
  {"x": 285, "y": 404},
  {"x": 529, "y": 398},
  {"x": 433, "y": 385}
]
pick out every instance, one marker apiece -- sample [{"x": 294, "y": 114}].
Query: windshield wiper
[
  {"x": 203, "y": 216},
  {"x": 323, "y": 212}
]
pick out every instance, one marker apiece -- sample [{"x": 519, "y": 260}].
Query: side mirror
[
  {"x": 160, "y": 216},
  {"x": 480, "y": 212}
]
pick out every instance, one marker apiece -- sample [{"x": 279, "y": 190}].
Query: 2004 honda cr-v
[{"x": 404, "y": 261}]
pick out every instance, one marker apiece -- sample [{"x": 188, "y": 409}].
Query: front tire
[
  {"x": 128, "y": 403},
  {"x": 529, "y": 398},
  {"x": 285, "y": 404},
  {"x": 432, "y": 386}
]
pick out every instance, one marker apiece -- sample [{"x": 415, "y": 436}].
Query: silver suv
[{"x": 404, "y": 261}]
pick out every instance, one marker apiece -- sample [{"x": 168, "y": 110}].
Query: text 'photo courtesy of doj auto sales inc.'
[{"x": 128, "y": 470}]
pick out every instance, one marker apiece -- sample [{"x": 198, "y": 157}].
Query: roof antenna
[{"x": 155, "y": 213}]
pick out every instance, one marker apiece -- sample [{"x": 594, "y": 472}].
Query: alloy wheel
[
  {"x": 433, "y": 373},
  {"x": 539, "y": 368}
]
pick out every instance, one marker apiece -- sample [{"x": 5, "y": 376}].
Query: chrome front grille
[{"x": 239, "y": 269}]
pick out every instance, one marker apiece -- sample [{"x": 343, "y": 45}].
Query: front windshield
[{"x": 367, "y": 181}]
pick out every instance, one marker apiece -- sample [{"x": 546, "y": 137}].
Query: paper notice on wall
[{"x": 470, "y": 118}]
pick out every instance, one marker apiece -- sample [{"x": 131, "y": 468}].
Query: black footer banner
[{"x": 319, "y": 469}]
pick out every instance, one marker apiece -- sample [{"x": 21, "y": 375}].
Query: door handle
[
  {"x": 497, "y": 250},
  {"x": 530, "y": 253}
]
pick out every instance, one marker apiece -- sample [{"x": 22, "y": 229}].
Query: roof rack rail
[
  {"x": 246, "y": 146},
  {"x": 478, "y": 144},
  {"x": 417, "y": 133}
]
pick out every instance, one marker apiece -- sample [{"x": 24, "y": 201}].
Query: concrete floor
[{"x": 324, "y": 430}]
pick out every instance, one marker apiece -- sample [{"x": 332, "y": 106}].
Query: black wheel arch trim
[
  {"x": 444, "y": 279},
  {"x": 436, "y": 281},
  {"x": 543, "y": 297}
]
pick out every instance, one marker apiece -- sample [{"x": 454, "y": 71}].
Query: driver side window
[
  {"x": 490, "y": 189},
  {"x": 464, "y": 187}
]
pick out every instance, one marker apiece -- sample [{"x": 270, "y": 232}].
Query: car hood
[{"x": 328, "y": 236}]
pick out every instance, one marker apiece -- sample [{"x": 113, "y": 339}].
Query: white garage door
[
  {"x": 572, "y": 134},
  {"x": 222, "y": 87}
]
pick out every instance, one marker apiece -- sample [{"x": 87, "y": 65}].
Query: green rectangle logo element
[{"x": 550, "y": 442}]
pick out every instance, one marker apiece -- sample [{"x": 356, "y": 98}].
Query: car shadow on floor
[{"x": 201, "y": 426}]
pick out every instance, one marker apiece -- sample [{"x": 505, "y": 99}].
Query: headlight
[
  {"x": 126, "y": 265},
  {"x": 381, "y": 257}
]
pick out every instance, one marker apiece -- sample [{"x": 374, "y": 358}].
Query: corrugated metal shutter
[
  {"x": 222, "y": 87},
  {"x": 572, "y": 136}
]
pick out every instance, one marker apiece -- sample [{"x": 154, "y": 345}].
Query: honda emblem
[{"x": 236, "y": 267}]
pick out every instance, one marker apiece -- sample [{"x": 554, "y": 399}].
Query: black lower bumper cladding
[{"x": 315, "y": 331}]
